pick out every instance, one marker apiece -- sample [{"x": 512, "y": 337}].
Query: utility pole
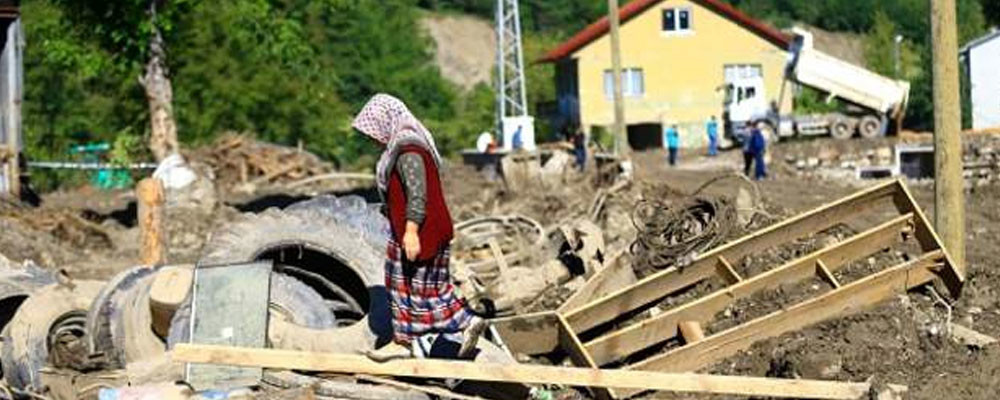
[
  {"x": 621, "y": 140},
  {"x": 949, "y": 184}
]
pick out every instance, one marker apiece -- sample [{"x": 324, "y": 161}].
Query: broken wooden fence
[{"x": 543, "y": 332}]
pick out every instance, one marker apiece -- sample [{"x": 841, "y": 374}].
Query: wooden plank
[
  {"x": 727, "y": 271},
  {"x": 953, "y": 275},
  {"x": 827, "y": 276},
  {"x": 530, "y": 334},
  {"x": 618, "y": 273},
  {"x": 578, "y": 355},
  {"x": 429, "y": 368},
  {"x": 671, "y": 280},
  {"x": 664, "y": 326},
  {"x": 152, "y": 230},
  {"x": 853, "y": 297}
]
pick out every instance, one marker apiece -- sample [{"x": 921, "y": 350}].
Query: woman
[{"x": 421, "y": 296}]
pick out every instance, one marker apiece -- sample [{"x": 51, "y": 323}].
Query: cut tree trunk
[{"x": 159, "y": 93}]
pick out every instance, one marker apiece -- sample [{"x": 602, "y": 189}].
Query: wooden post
[
  {"x": 949, "y": 184},
  {"x": 691, "y": 331},
  {"x": 150, "y": 196},
  {"x": 621, "y": 140}
]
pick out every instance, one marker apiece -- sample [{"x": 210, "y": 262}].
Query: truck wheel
[
  {"x": 841, "y": 129},
  {"x": 871, "y": 127},
  {"x": 48, "y": 314}
]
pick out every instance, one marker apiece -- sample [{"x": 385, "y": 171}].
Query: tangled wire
[{"x": 675, "y": 234}]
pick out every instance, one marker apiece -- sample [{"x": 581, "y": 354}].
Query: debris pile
[
  {"x": 883, "y": 160},
  {"x": 576, "y": 271},
  {"x": 243, "y": 163}
]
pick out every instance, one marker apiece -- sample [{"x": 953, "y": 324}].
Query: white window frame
[
  {"x": 633, "y": 83},
  {"x": 677, "y": 31}
]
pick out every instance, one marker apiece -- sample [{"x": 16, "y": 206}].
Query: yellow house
[{"x": 677, "y": 56}]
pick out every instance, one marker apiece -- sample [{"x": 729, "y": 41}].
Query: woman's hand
[{"x": 411, "y": 241}]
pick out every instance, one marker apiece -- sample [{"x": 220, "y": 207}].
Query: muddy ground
[{"x": 899, "y": 342}]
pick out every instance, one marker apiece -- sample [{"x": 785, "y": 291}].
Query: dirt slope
[{"x": 465, "y": 50}]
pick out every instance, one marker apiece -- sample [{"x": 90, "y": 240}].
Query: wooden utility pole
[
  {"x": 621, "y": 140},
  {"x": 949, "y": 184},
  {"x": 153, "y": 235}
]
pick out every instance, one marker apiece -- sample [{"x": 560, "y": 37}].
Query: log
[
  {"x": 170, "y": 287},
  {"x": 153, "y": 235},
  {"x": 644, "y": 380}
]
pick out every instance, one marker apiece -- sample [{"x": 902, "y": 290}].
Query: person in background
[
  {"x": 758, "y": 146},
  {"x": 580, "y": 148},
  {"x": 422, "y": 299},
  {"x": 673, "y": 143},
  {"x": 747, "y": 154},
  {"x": 712, "y": 128}
]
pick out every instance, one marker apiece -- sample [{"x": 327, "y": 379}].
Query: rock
[
  {"x": 800, "y": 164},
  {"x": 812, "y": 162},
  {"x": 892, "y": 392},
  {"x": 884, "y": 153}
]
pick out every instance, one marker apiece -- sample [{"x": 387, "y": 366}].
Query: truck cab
[{"x": 746, "y": 103}]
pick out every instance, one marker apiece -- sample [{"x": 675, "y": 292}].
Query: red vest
[{"x": 437, "y": 231}]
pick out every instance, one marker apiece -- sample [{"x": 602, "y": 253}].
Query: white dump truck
[{"x": 874, "y": 101}]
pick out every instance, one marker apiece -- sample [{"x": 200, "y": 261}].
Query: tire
[
  {"x": 104, "y": 314},
  {"x": 291, "y": 300},
  {"x": 328, "y": 388},
  {"x": 26, "y": 342},
  {"x": 871, "y": 127},
  {"x": 346, "y": 235},
  {"x": 841, "y": 129},
  {"x": 17, "y": 283}
]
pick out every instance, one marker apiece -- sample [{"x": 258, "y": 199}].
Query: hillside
[{"x": 464, "y": 47}]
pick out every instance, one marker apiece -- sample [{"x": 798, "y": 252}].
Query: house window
[
  {"x": 677, "y": 20},
  {"x": 734, "y": 72},
  {"x": 633, "y": 83}
]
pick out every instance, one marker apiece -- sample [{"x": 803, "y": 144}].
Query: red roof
[{"x": 597, "y": 29}]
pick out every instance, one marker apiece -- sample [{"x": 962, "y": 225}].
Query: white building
[{"x": 982, "y": 58}]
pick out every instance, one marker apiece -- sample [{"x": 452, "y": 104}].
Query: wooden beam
[
  {"x": 826, "y": 274},
  {"x": 954, "y": 278},
  {"x": 668, "y": 281},
  {"x": 152, "y": 228},
  {"x": 851, "y": 298},
  {"x": 726, "y": 270},
  {"x": 356, "y": 364},
  {"x": 664, "y": 326},
  {"x": 571, "y": 344}
]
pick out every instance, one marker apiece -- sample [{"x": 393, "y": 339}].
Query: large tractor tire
[
  {"x": 336, "y": 246},
  {"x": 105, "y": 331},
  {"x": 52, "y": 311}
]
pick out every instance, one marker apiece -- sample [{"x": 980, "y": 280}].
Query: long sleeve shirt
[{"x": 410, "y": 167}]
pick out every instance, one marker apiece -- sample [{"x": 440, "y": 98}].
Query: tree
[
  {"x": 160, "y": 93},
  {"x": 991, "y": 10}
]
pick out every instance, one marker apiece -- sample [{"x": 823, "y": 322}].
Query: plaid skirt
[{"x": 421, "y": 296}]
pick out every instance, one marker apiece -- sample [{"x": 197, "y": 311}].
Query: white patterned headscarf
[{"x": 387, "y": 120}]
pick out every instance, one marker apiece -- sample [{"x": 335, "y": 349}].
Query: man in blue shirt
[
  {"x": 673, "y": 140},
  {"x": 756, "y": 147},
  {"x": 712, "y": 128}
]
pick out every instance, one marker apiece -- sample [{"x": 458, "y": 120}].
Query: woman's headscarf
[{"x": 387, "y": 120}]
